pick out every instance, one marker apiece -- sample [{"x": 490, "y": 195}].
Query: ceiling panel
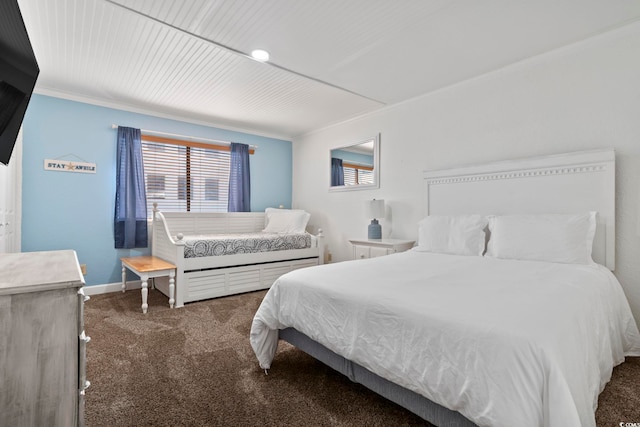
[{"x": 330, "y": 60}]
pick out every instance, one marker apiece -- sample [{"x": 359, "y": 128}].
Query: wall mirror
[{"x": 355, "y": 166}]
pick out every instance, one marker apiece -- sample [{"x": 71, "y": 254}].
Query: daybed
[
  {"x": 218, "y": 254},
  {"x": 524, "y": 330}
]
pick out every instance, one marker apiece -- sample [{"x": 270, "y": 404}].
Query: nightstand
[
  {"x": 365, "y": 248},
  {"x": 149, "y": 267}
]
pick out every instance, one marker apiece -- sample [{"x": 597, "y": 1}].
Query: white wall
[
  {"x": 585, "y": 96},
  {"x": 11, "y": 200}
]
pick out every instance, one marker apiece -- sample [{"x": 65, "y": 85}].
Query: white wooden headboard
[{"x": 565, "y": 183}]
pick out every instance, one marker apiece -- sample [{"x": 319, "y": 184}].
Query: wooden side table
[
  {"x": 370, "y": 248},
  {"x": 149, "y": 267}
]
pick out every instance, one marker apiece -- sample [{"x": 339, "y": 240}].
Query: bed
[
  {"x": 218, "y": 254},
  {"x": 473, "y": 327}
]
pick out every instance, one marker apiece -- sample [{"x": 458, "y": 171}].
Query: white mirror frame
[{"x": 376, "y": 167}]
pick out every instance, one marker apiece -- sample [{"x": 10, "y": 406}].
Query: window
[
  {"x": 357, "y": 174},
  {"x": 182, "y": 176},
  {"x": 212, "y": 189},
  {"x": 365, "y": 176},
  {"x": 182, "y": 187},
  {"x": 155, "y": 186}
]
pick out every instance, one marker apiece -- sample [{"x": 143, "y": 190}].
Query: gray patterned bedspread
[{"x": 243, "y": 243}]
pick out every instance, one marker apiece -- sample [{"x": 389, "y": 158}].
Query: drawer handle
[{"x": 81, "y": 292}]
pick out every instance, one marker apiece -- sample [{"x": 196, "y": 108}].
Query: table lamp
[{"x": 375, "y": 210}]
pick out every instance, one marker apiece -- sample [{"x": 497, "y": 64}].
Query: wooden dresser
[{"x": 42, "y": 340}]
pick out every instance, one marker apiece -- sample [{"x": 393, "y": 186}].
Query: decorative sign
[{"x": 69, "y": 166}]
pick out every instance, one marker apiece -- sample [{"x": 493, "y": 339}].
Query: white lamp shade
[{"x": 375, "y": 208}]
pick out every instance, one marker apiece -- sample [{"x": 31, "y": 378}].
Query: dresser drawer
[
  {"x": 364, "y": 248},
  {"x": 375, "y": 251},
  {"x": 360, "y": 252}
]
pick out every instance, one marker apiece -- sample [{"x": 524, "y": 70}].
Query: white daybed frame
[
  {"x": 215, "y": 276},
  {"x": 565, "y": 183}
]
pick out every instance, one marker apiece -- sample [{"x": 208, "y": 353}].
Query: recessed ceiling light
[{"x": 260, "y": 55}]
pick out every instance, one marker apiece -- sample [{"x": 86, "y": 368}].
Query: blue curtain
[
  {"x": 337, "y": 172},
  {"x": 130, "y": 219},
  {"x": 239, "y": 179}
]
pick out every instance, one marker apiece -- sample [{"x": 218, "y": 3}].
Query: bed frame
[
  {"x": 215, "y": 276},
  {"x": 565, "y": 183}
]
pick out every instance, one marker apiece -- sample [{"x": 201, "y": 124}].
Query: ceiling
[{"x": 330, "y": 60}]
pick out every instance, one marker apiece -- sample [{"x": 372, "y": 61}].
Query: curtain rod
[{"x": 175, "y": 135}]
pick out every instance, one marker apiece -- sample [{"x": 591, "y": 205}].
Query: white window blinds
[
  {"x": 185, "y": 178},
  {"x": 356, "y": 174}
]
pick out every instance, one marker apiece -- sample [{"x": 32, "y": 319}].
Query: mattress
[
  {"x": 243, "y": 243},
  {"x": 503, "y": 342}
]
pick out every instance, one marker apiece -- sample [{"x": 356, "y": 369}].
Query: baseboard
[{"x": 111, "y": 287}]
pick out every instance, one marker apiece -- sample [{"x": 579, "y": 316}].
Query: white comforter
[{"x": 505, "y": 343}]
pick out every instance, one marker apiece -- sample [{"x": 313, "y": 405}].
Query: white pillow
[
  {"x": 457, "y": 235},
  {"x": 547, "y": 237},
  {"x": 285, "y": 220}
]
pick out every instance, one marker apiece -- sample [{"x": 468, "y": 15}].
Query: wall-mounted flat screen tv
[{"x": 18, "y": 74}]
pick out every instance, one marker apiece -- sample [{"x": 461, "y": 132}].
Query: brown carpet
[{"x": 194, "y": 366}]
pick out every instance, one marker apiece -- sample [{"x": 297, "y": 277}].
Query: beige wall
[{"x": 584, "y": 96}]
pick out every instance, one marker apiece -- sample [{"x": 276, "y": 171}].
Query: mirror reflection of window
[
  {"x": 355, "y": 166},
  {"x": 357, "y": 174}
]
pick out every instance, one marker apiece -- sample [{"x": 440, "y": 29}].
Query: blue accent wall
[{"x": 65, "y": 210}]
